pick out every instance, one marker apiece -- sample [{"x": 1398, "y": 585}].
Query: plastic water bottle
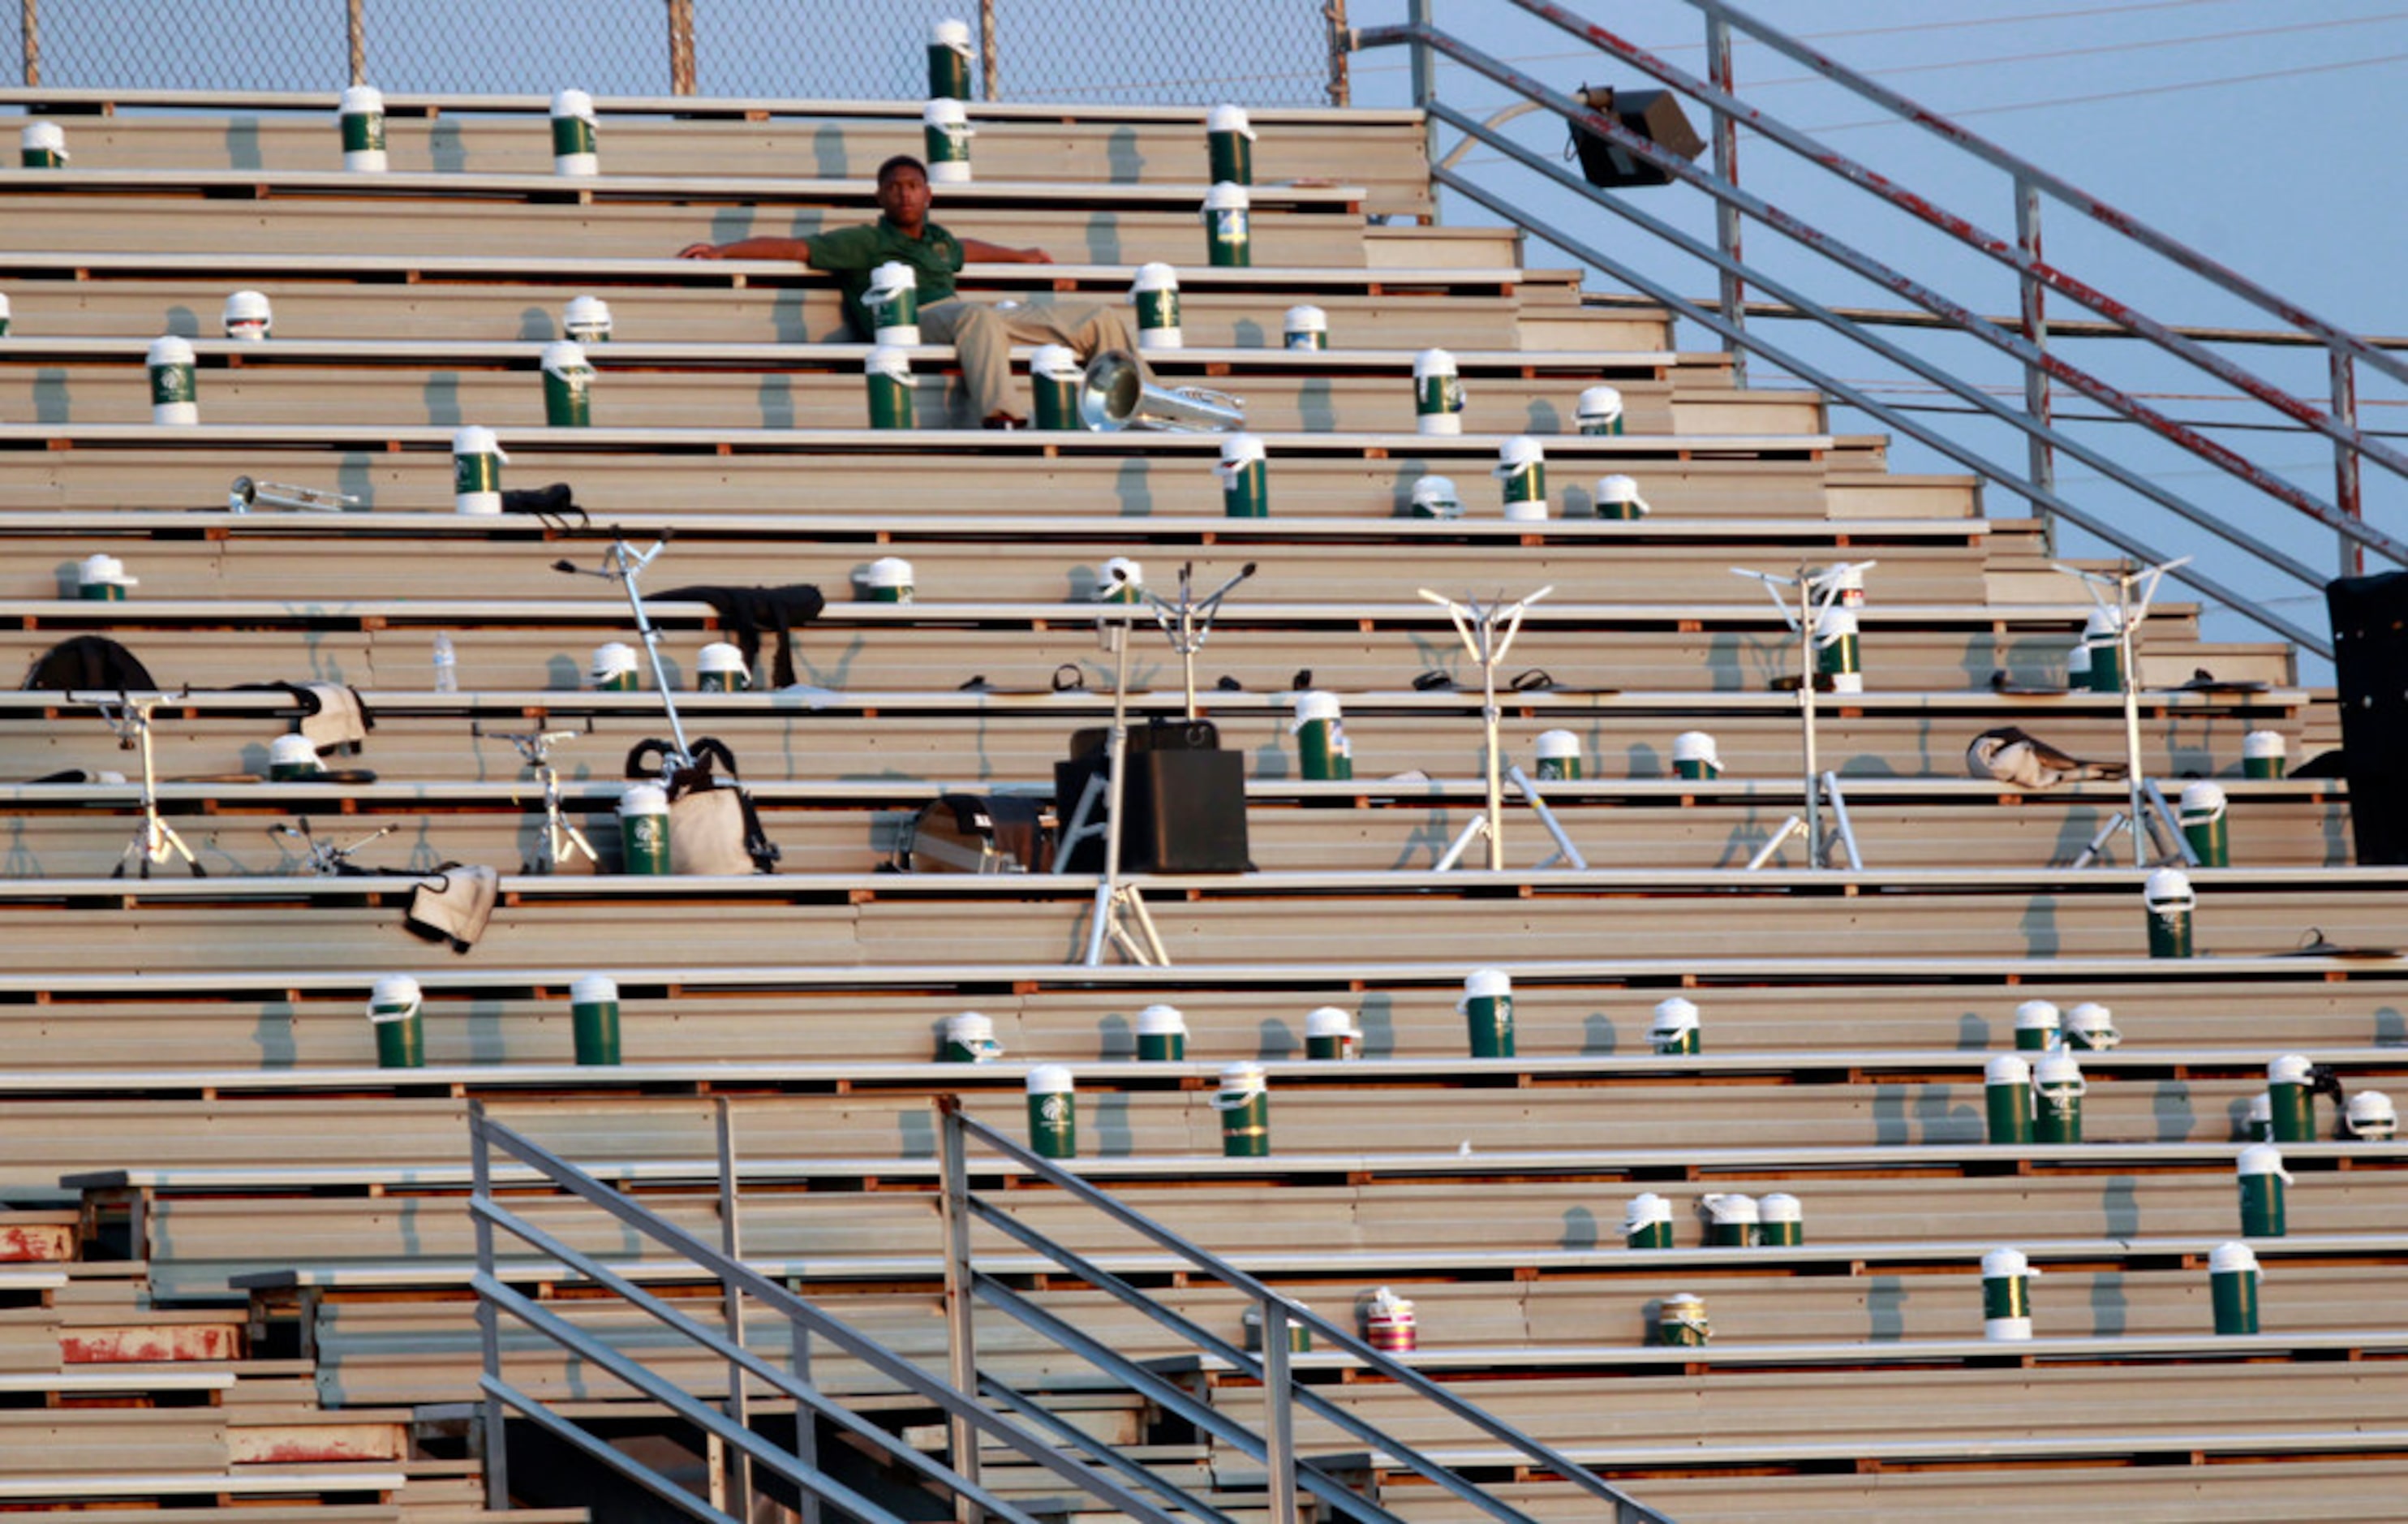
[{"x": 447, "y": 664}]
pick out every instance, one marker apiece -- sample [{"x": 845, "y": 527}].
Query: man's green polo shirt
[{"x": 851, "y": 253}]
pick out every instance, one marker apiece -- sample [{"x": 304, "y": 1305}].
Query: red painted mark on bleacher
[
  {"x": 138, "y": 1344},
  {"x": 47, "y": 1245}
]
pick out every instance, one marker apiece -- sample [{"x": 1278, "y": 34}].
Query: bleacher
[{"x": 237, "y": 1249}]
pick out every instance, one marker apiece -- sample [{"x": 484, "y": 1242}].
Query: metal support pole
[
  {"x": 1727, "y": 222},
  {"x": 2346, "y": 496},
  {"x": 489, "y": 1325},
  {"x": 356, "y": 38},
  {"x": 1115, "y": 764},
  {"x": 990, "y": 68},
  {"x": 2042, "y": 460},
  {"x": 953, "y": 1206},
  {"x": 680, "y": 47},
  {"x": 731, "y": 1243},
  {"x": 2128, "y": 649},
  {"x": 1425, "y": 81},
  {"x": 1493, "y": 745},
  {"x": 1806, "y": 714},
  {"x": 1279, "y": 1417},
  {"x": 30, "y": 27}
]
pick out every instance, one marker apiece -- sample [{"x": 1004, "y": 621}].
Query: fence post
[
  {"x": 990, "y": 68},
  {"x": 2345, "y": 487},
  {"x": 1279, "y": 1414},
  {"x": 489, "y": 1319},
  {"x": 30, "y": 21},
  {"x": 1342, "y": 84},
  {"x": 680, "y": 47},
  {"x": 2042, "y": 458},
  {"x": 355, "y": 39},
  {"x": 731, "y": 1243},
  {"x": 960, "y": 1348},
  {"x": 1727, "y": 224}
]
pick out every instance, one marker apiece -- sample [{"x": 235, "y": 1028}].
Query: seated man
[{"x": 981, "y": 332}]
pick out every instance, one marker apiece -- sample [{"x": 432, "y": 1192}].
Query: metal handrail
[
  {"x": 493, "y": 1295},
  {"x": 1424, "y": 36},
  {"x": 2025, "y": 340},
  {"x": 2331, "y": 335},
  {"x": 1938, "y": 439},
  {"x": 1962, "y": 229},
  {"x": 958, "y": 1128}
]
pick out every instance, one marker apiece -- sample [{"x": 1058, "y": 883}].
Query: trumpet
[
  {"x": 1115, "y": 394},
  {"x": 246, "y": 494}
]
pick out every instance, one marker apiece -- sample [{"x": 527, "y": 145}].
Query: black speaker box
[
  {"x": 1653, "y": 114},
  {"x": 2369, "y": 629},
  {"x": 1186, "y": 807}
]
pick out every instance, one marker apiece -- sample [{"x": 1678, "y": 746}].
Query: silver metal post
[
  {"x": 1726, "y": 219},
  {"x": 1108, "y": 893},
  {"x": 1493, "y": 745},
  {"x": 2041, "y": 458},
  {"x": 2346, "y": 494},
  {"x": 489, "y": 1325},
  {"x": 1425, "y": 81},
  {"x": 1278, "y": 1416},
  {"x": 731, "y": 1243},
  {"x": 961, "y": 1351},
  {"x": 631, "y": 566}
]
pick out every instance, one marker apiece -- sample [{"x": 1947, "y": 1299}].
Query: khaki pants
[{"x": 982, "y": 333}]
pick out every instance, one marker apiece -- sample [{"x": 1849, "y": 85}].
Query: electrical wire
[
  {"x": 2105, "y": 48},
  {"x": 1741, "y": 41},
  {"x": 2132, "y": 94}
]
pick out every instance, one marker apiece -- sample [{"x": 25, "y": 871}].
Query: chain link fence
[{"x": 1251, "y": 52}]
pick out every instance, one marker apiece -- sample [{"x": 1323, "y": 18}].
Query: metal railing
[
  {"x": 735, "y": 1447},
  {"x": 974, "y": 1401},
  {"x": 1287, "y": 1472},
  {"x": 2026, "y": 342}
]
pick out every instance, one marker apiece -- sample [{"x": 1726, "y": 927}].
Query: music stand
[
  {"x": 2130, "y": 612},
  {"x": 1816, "y": 591}
]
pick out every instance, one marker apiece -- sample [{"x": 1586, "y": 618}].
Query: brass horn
[{"x": 1113, "y": 395}]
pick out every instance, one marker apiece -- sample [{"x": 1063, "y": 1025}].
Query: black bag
[
  {"x": 713, "y": 827},
  {"x": 977, "y": 833},
  {"x": 88, "y": 661},
  {"x": 1185, "y": 798}
]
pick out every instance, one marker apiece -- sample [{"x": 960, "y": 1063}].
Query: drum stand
[
  {"x": 154, "y": 840},
  {"x": 559, "y": 836}
]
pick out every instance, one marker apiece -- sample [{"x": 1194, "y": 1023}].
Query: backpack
[
  {"x": 713, "y": 827},
  {"x": 88, "y": 661}
]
